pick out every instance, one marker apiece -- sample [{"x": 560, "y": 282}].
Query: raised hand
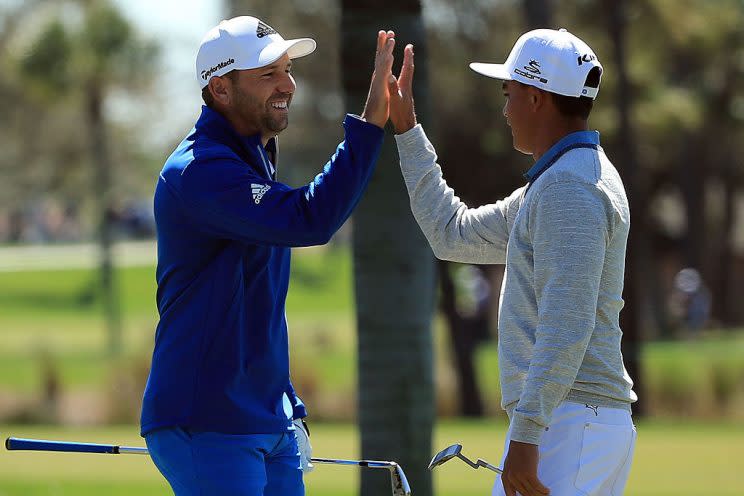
[
  {"x": 377, "y": 108},
  {"x": 402, "y": 112}
]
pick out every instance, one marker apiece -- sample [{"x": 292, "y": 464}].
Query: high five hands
[{"x": 391, "y": 97}]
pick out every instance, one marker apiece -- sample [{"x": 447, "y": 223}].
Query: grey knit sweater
[{"x": 563, "y": 242}]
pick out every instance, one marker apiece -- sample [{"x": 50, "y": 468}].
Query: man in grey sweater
[{"x": 562, "y": 237}]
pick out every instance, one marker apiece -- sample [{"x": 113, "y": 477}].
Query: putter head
[
  {"x": 445, "y": 455},
  {"x": 399, "y": 481}
]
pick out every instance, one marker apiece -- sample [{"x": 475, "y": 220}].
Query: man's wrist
[{"x": 407, "y": 126}]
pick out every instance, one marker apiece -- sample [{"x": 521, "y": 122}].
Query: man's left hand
[
  {"x": 303, "y": 443},
  {"x": 520, "y": 471}
]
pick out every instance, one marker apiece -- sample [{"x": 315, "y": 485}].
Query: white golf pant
[{"x": 586, "y": 451}]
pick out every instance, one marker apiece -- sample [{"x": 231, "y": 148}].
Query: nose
[{"x": 287, "y": 84}]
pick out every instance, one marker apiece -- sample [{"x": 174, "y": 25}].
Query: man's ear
[
  {"x": 219, "y": 87},
  {"x": 536, "y": 98}
]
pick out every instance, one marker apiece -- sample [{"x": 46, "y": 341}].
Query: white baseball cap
[
  {"x": 554, "y": 61},
  {"x": 244, "y": 43}
]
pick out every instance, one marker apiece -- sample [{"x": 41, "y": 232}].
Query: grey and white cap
[
  {"x": 241, "y": 43},
  {"x": 553, "y": 60}
]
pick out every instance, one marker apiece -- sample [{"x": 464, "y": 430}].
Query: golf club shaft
[
  {"x": 479, "y": 463},
  {"x": 14, "y": 443},
  {"x": 400, "y": 484}
]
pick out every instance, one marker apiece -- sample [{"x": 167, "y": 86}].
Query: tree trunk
[
  {"x": 630, "y": 318},
  {"x": 723, "y": 287},
  {"x": 393, "y": 268},
  {"x": 102, "y": 164}
]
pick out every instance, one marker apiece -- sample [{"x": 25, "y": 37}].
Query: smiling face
[{"x": 256, "y": 101}]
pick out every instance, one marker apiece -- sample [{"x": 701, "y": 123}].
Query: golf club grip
[{"x": 15, "y": 443}]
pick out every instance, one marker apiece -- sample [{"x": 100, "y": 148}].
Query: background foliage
[{"x": 90, "y": 110}]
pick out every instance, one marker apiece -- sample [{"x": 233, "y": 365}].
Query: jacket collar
[{"x": 249, "y": 148}]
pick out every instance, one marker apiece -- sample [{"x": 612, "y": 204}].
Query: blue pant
[{"x": 210, "y": 463}]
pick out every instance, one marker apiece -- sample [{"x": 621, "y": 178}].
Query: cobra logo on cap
[{"x": 531, "y": 71}]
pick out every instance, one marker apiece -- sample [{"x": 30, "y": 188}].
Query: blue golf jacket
[{"x": 225, "y": 227}]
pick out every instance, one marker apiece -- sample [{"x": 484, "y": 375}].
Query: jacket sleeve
[
  {"x": 227, "y": 199},
  {"x": 570, "y": 230},
  {"x": 454, "y": 231}
]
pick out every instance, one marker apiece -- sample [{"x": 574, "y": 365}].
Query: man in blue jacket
[{"x": 220, "y": 415}]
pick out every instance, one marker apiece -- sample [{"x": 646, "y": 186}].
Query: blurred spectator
[
  {"x": 49, "y": 221},
  {"x": 135, "y": 220},
  {"x": 691, "y": 300}
]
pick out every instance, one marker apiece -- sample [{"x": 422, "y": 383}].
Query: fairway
[
  {"x": 664, "y": 464},
  {"x": 51, "y": 312}
]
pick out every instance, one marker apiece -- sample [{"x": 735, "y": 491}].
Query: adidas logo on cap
[{"x": 264, "y": 29}]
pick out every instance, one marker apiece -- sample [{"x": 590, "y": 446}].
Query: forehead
[{"x": 282, "y": 61}]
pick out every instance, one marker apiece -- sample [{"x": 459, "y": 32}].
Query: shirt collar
[{"x": 568, "y": 141}]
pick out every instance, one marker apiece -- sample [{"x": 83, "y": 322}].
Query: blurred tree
[
  {"x": 81, "y": 57},
  {"x": 628, "y": 165},
  {"x": 538, "y": 13},
  {"x": 393, "y": 267}
]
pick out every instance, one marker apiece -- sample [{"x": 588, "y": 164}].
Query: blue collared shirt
[{"x": 578, "y": 139}]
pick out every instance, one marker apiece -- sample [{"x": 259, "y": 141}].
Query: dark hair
[
  {"x": 207, "y": 96},
  {"x": 581, "y": 106}
]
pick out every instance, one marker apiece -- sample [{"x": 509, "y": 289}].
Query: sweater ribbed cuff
[
  {"x": 525, "y": 430},
  {"x": 411, "y": 141}
]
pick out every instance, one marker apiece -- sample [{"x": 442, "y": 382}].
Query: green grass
[
  {"x": 677, "y": 458},
  {"x": 54, "y": 318},
  {"x": 320, "y": 286}
]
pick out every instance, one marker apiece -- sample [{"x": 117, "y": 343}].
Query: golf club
[
  {"x": 397, "y": 477},
  {"x": 453, "y": 451}
]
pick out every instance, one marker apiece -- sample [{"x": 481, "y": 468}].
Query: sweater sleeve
[
  {"x": 570, "y": 231},
  {"x": 227, "y": 199},
  {"x": 454, "y": 231}
]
